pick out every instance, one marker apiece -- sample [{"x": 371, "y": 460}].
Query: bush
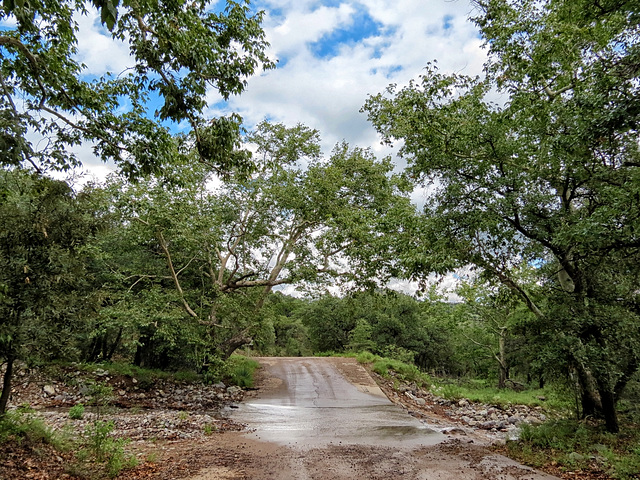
[
  {"x": 239, "y": 370},
  {"x": 21, "y": 425},
  {"x": 76, "y": 412}
]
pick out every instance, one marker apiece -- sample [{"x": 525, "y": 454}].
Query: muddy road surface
[{"x": 326, "y": 419}]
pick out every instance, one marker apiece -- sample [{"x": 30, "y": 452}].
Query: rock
[
  {"x": 491, "y": 424},
  {"x": 50, "y": 390},
  {"x": 469, "y": 421},
  {"x": 421, "y": 401},
  {"x": 454, "y": 430},
  {"x": 463, "y": 403},
  {"x": 576, "y": 457},
  {"x": 233, "y": 390}
]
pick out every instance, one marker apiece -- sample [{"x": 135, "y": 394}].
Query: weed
[
  {"x": 240, "y": 370},
  {"x": 76, "y": 412},
  {"x": 572, "y": 444},
  {"x": 107, "y": 450},
  {"x": 183, "y": 415},
  {"x": 209, "y": 429},
  {"x": 152, "y": 457}
]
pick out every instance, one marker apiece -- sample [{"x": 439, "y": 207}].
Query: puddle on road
[{"x": 317, "y": 426}]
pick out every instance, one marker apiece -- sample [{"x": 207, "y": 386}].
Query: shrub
[
  {"x": 76, "y": 412},
  {"x": 240, "y": 370}
]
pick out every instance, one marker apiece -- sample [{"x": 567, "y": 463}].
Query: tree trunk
[
  {"x": 503, "y": 373},
  {"x": 114, "y": 346},
  {"x": 6, "y": 385},
  {"x": 609, "y": 412},
  {"x": 589, "y": 398},
  {"x": 608, "y": 398}
]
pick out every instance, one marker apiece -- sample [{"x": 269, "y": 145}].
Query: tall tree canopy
[
  {"x": 326, "y": 223},
  {"x": 538, "y": 161},
  {"x": 179, "y": 50}
]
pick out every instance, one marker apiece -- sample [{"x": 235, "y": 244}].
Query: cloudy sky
[{"x": 331, "y": 54}]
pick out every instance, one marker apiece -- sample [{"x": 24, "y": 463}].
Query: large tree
[
  {"x": 538, "y": 160},
  {"x": 180, "y": 50},
  {"x": 300, "y": 220},
  {"x": 44, "y": 289}
]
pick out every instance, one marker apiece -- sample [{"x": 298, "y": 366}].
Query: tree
[
  {"x": 549, "y": 176},
  {"x": 179, "y": 49},
  {"x": 44, "y": 290},
  {"x": 284, "y": 225},
  {"x": 495, "y": 311}
]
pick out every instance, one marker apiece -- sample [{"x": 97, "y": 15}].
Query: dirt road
[{"x": 326, "y": 419}]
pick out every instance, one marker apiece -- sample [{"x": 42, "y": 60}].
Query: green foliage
[
  {"x": 179, "y": 51},
  {"x": 21, "y": 425},
  {"x": 573, "y": 445},
  {"x": 47, "y": 294},
  {"x": 100, "y": 395},
  {"x": 239, "y": 370},
  {"x": 76, "y": 412},
  {"x": 108, "y": 450},
  {"x": 549, "y": 177}
]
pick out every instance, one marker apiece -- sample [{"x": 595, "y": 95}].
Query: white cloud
[
  {"x": 97, "y": 50},
  {"x": 327, "y": 92}
]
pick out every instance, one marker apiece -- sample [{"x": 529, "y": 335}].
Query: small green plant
[
  {"x": 209, "y": 429},
  {"x": 100, "y": 395},
  {"x": 240, "y": 370},
  {"x": 183, "y": 415},
  {"x": 152, "y": 457},
  {"x": 21, "y": 425},
  {"x": 106, "y": 449},
  {"x": 76, "y": 412}
]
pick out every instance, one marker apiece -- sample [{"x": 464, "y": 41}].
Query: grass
[
  {"x": 97, "y": 453},
  {"x": 480, "y": 392},
  {"x": 571, "y": 445},
  {"x": 21, "y": 425},
  {"x": 240, "y": 370},
  {"x": 392, "y": 368}
]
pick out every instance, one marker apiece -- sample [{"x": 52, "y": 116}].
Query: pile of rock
[
  {"x": 143, "y": 425},
  {"x": 495, "y": 419},
  {"x": 38, "y": 391},
  {"x": 489, "y": 417}
]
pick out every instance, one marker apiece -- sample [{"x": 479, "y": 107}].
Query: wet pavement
[{"x": 311, "y": 403}]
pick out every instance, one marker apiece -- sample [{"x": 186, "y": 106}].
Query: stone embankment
[
  {"x": 497, "y": 422},
  {"x": 140, "y": 408}
]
